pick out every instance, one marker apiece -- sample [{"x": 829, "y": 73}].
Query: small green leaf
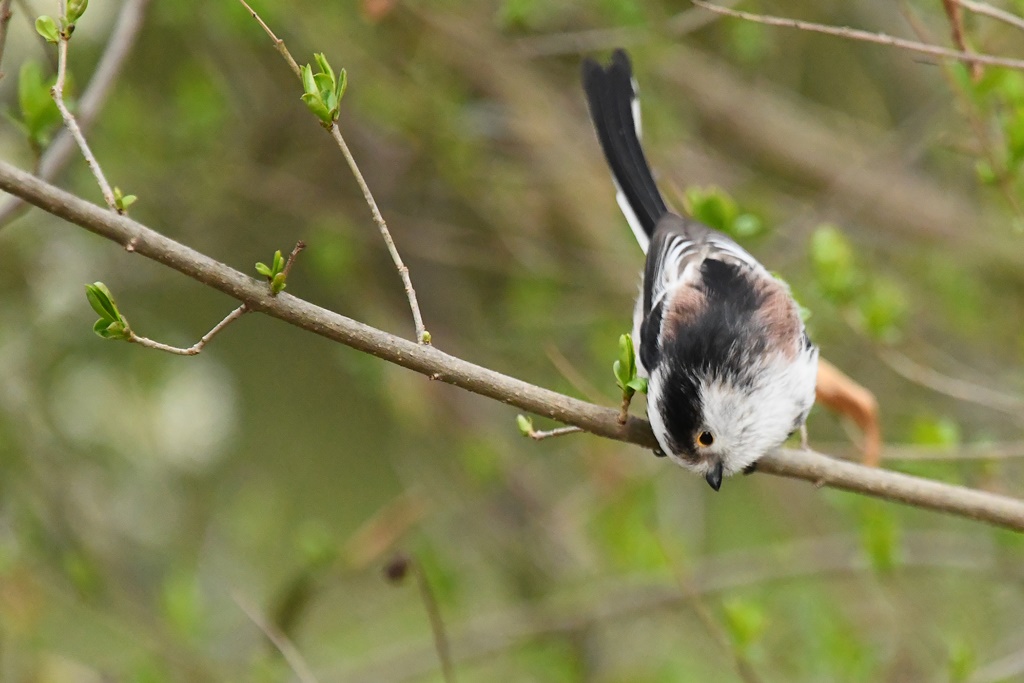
[
  {"x": 278, "y": 262},
  {"x": 342, "y": 84},
  {"x": 102, "y": 301},
  {"x": 308, "y": 83},
  {"x": 277, "y": 283},
  {"x": 880, "y": 536},
  {"x": 962, "y": 662},
  {"x": 986, "y": 174},
  {"x": 264, "y": 270},
  {"x": 76, "y": 8},
  {"x": 426, "y": 338},
  {"x": 47, "y": 28},
  {"x": 627, "y": 355},
  {"x": 123, "y": 201},
  {"x": 39, "y": 114},
  {"x": 834, "y": 263},
  {"x": 747, "y": 225},
  {"x": 745, "y": 622},
  {"x": 324, "y": 83},
  {"x": 621, "y": 378},
  {"x": 325, "y": 68},
  {"x": 638, "y": 384},
  {"x": 317, "y": 106},
  {"x": 111, "y": 330},
  {"x": 712, "y": 206},
  {"x": 525, "y": 425}
]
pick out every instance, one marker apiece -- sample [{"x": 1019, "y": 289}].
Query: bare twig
[
  {"x": 572, "y": 375},
  {"x": 956, "y": 25},
  {"x": 278, "y": 43},
  {"x": 403, "y": 271},
  {"x": 295, "y": 660},
  {"x": 69, "y": 119},
  {"x": 396, "y": 571},
  {"x": 867, "y": 37},
  {"x": 5, "y": 19},
  {"x": 119, "y": 46},
  {"x": 692, "y": 594},
  {"x": 982, "y": 451},
  {"x": 299, "y": 246},
  {"x": 437, "y": 628},
  {"x": 988, "y": 10},
  {"x": 422, "y": 336},
  {"x": 538, "y": 435},
  {"x": 951, "y": 386},
  {"x": 806, "y": 465},
  {"x": 196, "y": 348},
  {"x": 627, "y": 398},
  {"x": 591, "y": 40}
]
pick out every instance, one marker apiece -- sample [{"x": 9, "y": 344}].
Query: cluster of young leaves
[
  {"x": 876, "y": 305},
  {"x": 274, "y": 272},
  {"x": 715, "y": 208},
  {"x": 123, "y": 201},
  {"x": 55, "y": 30},
  {"x": 624, "y": 369},
  {"x": 39, "y": 115},
  {"x": 111, "y": 325},
  {"x": 323, "y": 91}
]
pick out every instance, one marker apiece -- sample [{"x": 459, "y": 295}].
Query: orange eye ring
[{"x": 705, "y": 439}]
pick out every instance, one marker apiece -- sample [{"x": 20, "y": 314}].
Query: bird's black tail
[{"x": 612, "y": 97}]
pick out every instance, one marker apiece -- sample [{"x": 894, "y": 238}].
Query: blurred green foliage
[{"x": 139, "y": 492}]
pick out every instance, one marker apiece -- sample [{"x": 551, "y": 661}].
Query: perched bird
[{"x": 730, "y": 368}]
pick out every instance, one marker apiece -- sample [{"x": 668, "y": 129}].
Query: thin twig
[
  {"x": 437, "y": 628},
  {"x": 288, "y": 650},
  {"x": 119, "y": 46},
  {"x": 196, "y": 348},
  {"x": 403, "y": 272},
  {"x": 988, "y": 10},
  {"x": 627, "y": 398},
  {"x": 956, "y": 26},
  {"x": 951, "y": 386},
  {"x": 867, "y": 37},
  {"x": 591, "y": 40},
  {"x": 5, "y": 19},
  {"x": 692, "y": 594},
  {"x": 538, "y": 435},
  {"x": 809, "y": 466},
  {"x": 57, "y": 91},
  {"x": 299, "y": 246},
  {"x": 572, "y": 375},
  {"x": 278, "y": 43},
  {"x": 422, "y": 336}
]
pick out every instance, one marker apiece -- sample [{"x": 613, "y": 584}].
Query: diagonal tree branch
[{"x": 437, "y": 365}]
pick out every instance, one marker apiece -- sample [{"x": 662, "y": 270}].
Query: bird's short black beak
[{"x": 714, "y": 477}]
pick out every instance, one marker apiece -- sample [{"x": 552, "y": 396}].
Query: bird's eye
[{"x": 705, "y": 438}]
